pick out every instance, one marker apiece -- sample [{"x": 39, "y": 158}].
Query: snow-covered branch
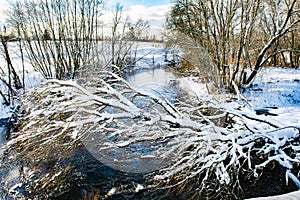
[
  {"x": 134, "y": 130},
  {"x": 218, "y": 157}
]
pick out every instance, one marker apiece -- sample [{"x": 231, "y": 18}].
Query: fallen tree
[{"x": 199, "y": 150}]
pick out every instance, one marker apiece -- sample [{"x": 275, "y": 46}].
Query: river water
[
  {"x": 160, "y": 75},
  {"x": 160, "y": 80},
  {"x": 101, "y": 177},
  {"x": 2, "y": 133},
  {"x": 4, "y": 123}
]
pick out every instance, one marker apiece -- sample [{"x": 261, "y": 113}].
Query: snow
[
  {"x": 138, "y": 188},
  {"x": 278, "y": 91},
  {"x": 15, "y": 187},
  {"x": 194, "y": 87},
  {"x": 5, "y": 111},
  {"x": 111, "y": 192},
  {"x": 146, "y": 54},
  {"x": 32, "y": 77},
  {"x": 290, "y": 196}
]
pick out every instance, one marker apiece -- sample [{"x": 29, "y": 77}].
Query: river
[
  {"x": 160, "y": 79},
  {"x": 95, "y": 176},
  {"x": 4, "y": 126}
]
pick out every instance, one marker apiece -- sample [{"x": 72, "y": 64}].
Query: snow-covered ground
[
  {"x": 290, "y": 196},
  {"x": 32, "y": 77},
  {"x": 5, "y": 111},
  {"x": 277, "y": 91}
]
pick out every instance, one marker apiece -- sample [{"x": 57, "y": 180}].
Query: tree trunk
[{"x": 16, "y": 78}]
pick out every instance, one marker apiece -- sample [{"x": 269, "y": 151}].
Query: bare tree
[
  {"x": 231, "y": 32},
  {"x": 58, "y": 35},
  {"x": 123, "y": 40},
  {"x": 280, "y": 28},
  {"x": 9, "y": 76},
  {"x": 62, "y": 36}
]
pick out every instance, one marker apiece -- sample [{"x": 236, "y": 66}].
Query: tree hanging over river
[{"x": 216, "y": 145}]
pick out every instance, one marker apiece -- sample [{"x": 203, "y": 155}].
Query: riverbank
[
  {"x": 88, "y": 177},
  {"x": 275, "y": 96}
]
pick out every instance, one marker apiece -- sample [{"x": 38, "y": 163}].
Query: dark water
[
  {"x": 4, "y": 130},
  {"x": 2, "y": 133},
  {"x": 97, "y": 179},
  {"x": 140, "y": 156},
  {"x": 4, "y": 124}
]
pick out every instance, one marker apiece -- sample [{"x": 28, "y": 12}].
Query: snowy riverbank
[{"x": 274, "y": 96}]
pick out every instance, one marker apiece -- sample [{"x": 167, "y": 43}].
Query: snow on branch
[
  {"x": 122, "y": 125},
  {"x": 217, "y": 159}
]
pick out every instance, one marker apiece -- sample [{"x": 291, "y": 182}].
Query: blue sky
[
  {"x": 147, "y": 3},
  {"x": 153, "y": 11}
]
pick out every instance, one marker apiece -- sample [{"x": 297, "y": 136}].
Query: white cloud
[
  {"x": 3, "y": 9},
  {"x": 155, "y": 15}
]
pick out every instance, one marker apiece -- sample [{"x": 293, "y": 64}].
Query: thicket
[
  {"x": 62, "y": 39},
  {"x": 237, "y": 37}
]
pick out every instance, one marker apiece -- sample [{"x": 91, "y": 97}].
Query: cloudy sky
[
  {"x": 146, "y": 3},
  {"x": 153, "y": 11}
]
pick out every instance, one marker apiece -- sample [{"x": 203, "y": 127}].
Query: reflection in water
[
  {"x": 140, "y": 155},
  {"x": 3, "y": 170},
  {"x": 158, "y": 80},
  {"x": 155, "y": 75},
  {"x": 2, "y": 137},
  {"x": 4, "y": 124}
]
